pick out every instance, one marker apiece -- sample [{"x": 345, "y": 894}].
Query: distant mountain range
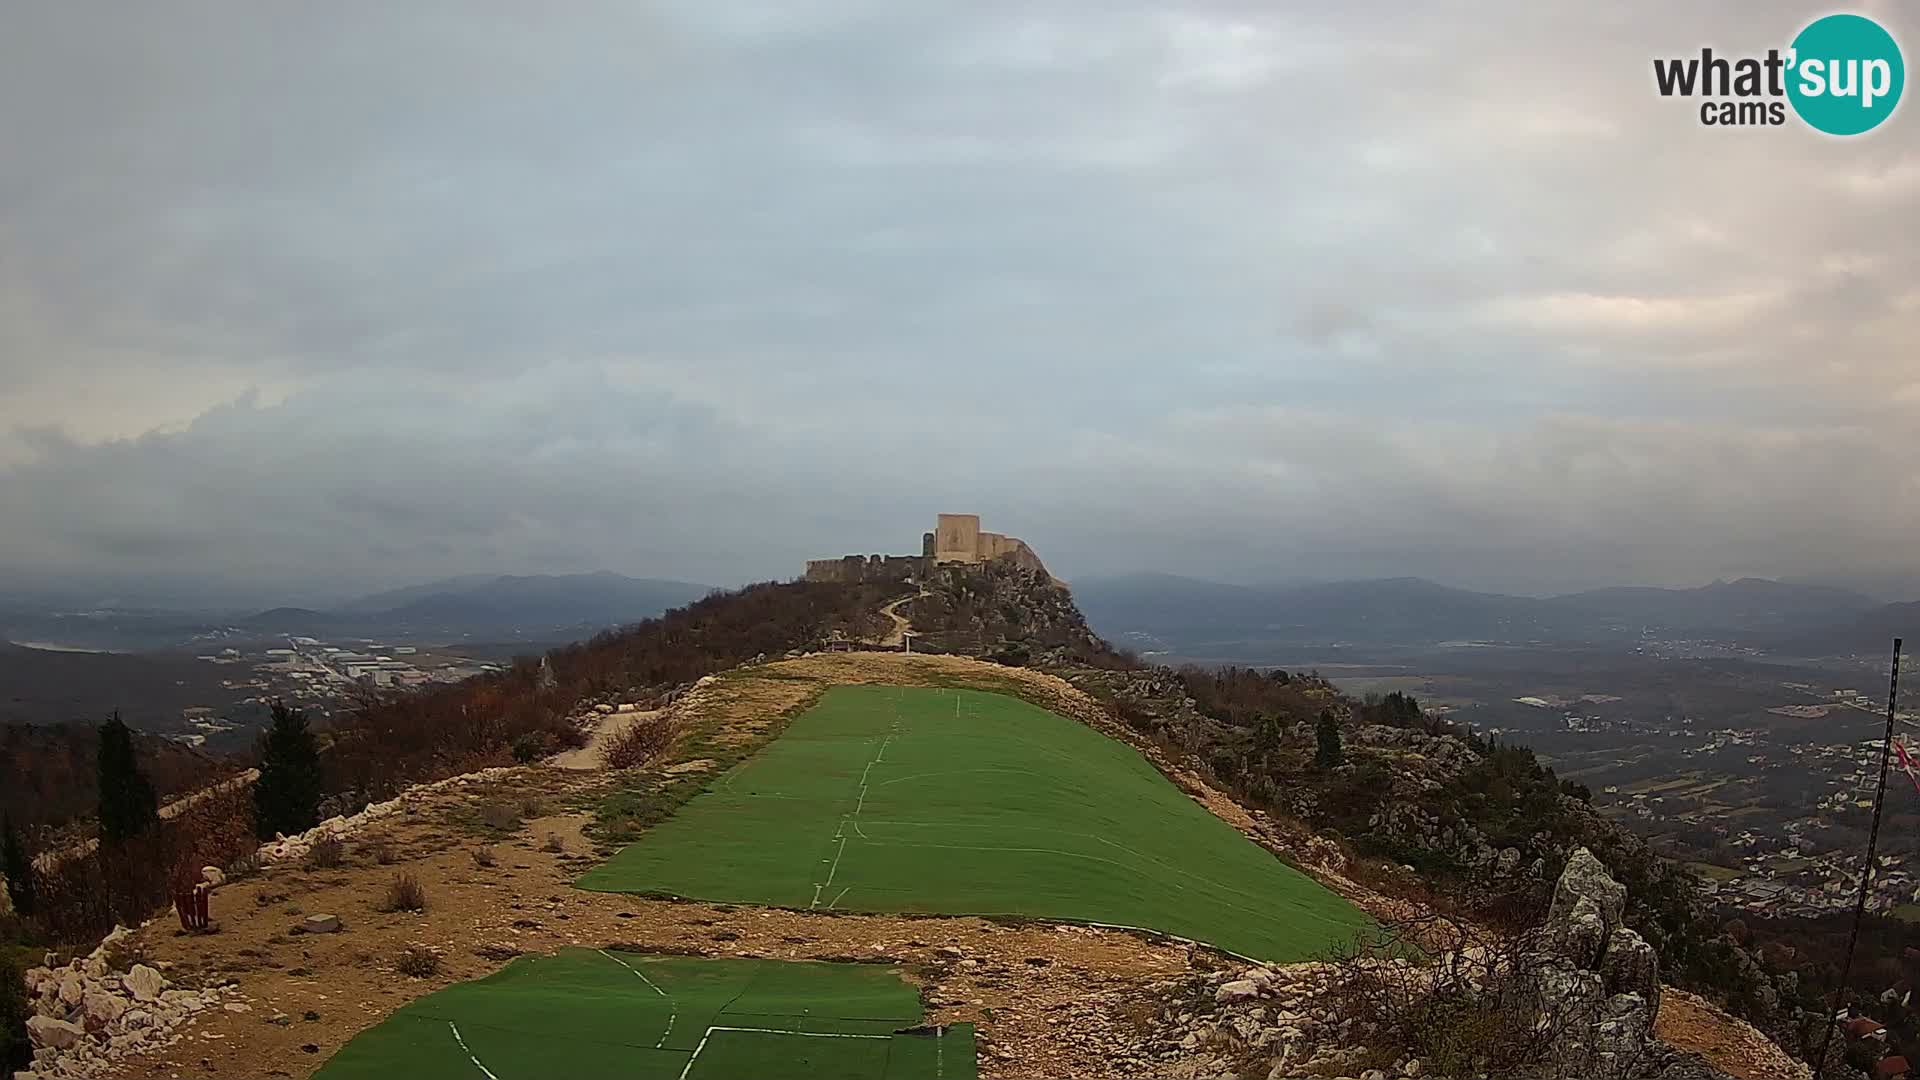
[
  {"x": 1186, "y": 614},
  {"x": 481, "y": 604},
  {"x": 536, "y": 608}
]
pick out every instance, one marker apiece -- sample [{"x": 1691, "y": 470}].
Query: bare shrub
[
  {"x": 639, "y": 744},
  {"x": 483, "y": 857},
  {"x": 499, "y": 816},
  {"x": 419, "y": 962},
  {"x": 404, "y": 894},
  {"x": 553, "y": 843},
  {"x": 327, "y": 853},
  {"x": 244, "y": 867},
  {"x": 1452, "y": 994},
  {"x": 382, "y": 852}
]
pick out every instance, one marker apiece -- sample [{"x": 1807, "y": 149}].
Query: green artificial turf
[
  {"x": 586, "y": 1013},
  {"x": 901, "y": 799}
]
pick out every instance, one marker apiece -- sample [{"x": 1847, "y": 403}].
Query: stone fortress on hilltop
[{"x": 956, "y": 538}]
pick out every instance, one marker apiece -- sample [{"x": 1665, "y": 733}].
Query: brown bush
[
  {"x": 418, "y": 962},
  {"x": 553, "y": 843},
  {"x": 83, "y": 894},
  {"x": 1451, "y": 993},
  {"x": 499, "y": 816},
  {"x": 640, "y": 743},
  {"x": 404, "y": 894},
  {"x": 327, "y": 853},
  {"x": 483, "y": 857}
]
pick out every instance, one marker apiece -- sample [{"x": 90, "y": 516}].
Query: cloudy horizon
[{"x": 315, "y": 301}]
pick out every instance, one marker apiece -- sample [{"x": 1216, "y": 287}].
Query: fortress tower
[{"x": 956, "y": 538}]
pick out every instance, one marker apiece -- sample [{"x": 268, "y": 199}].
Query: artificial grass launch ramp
[
  {"x": 959, "y": 802},
  {"x": 588, "y": 1014}
]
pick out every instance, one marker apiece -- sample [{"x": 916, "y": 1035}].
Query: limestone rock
[
  {"x": 103, "y": 1008},
  {"x": 1631, "y": 967},
  {"x": 1237, "y": 990},
  {"x": 213, "y": 876},
  {"x": 321, "y": 924},
  {"x": 1585, "y": 876},
  {"x": 56, "y": 1034},
  {"x": 143, "y": 982}
]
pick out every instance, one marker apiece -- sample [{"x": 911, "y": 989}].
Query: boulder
[
  {"x": 213, "y": 876},
  {"x": 1586, "y": 878},
  {"x": 143, "y": 982},
  {"x": 73, "y": 988},
  {"x": 102, "y": 1008},
  {"x": 321, "y": 924},
  {"x": 53, "y": 1034},
  {"x": 1630, "y": 966},
  {"x": 1237, "y": 990}
]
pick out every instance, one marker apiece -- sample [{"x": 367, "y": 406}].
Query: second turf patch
[{"x": 906, "y": 799}]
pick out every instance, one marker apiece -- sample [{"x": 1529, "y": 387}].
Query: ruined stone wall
[{"x": 866, "y": 568}]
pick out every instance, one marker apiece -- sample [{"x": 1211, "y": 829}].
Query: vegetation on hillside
[{"x": 286, "y": 797}]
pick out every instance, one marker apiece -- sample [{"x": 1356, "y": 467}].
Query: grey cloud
[{"x": 1276, "y": 289}]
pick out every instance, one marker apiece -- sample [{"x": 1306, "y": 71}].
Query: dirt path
[
  {"x": 610, "y": 727},
  {"x": 901, "y": 624}
]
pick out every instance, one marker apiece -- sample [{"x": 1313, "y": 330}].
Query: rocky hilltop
[{"x": 1521, "y": 934}]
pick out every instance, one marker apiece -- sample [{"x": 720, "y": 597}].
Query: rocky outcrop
[
  {"x": 88, "y": 1014},
  {"x": 1576, "y": 998}
]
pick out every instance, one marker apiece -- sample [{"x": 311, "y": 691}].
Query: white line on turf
[
  {"x": 688, "y": 1070},
  {"x": 673, "y": 1010},
  {"x": 484, "y": 1071},
  {"x": 840, "y": 833}
]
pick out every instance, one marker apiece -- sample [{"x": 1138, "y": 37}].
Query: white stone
[
  {"x": 1237, "y": 990},
  {"x": 213, "y": 876},
  {"x": 321, "y": 924},
  {"x": 143, "y": 982},
  {"x": 102, "y": 1007},
  {"x": 55, "y": 1034},
  {"x": 72, "y": 988}
]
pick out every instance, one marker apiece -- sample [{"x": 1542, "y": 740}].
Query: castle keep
[{"x": 956, "y": 538}]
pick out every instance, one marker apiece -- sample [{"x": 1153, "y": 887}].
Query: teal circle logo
[{"x": 1846, "y": 74}]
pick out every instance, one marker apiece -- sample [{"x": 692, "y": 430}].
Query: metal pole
[{"x": 1866, "y": 876}]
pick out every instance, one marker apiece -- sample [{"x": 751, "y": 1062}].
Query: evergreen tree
[
  {"x": 1329, "y": 753},
  {"x": 15, "y": 863},
  {"x": 128, "y": 805},
  {"x": 1268, "y": 736},
  {"x": 286, "y": 798}
]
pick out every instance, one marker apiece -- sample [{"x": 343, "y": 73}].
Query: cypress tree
[
  {"x": 286, "y": 798},
  {"x": 19, "y": 870},
  {"x": 128, "y": 805},
  {"x": 1329, "y": 752}
]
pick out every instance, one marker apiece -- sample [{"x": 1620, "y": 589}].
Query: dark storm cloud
[{"x": 365, "y": 293}]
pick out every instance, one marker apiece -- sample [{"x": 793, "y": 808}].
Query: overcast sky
[{"x": 307, "y": 297}]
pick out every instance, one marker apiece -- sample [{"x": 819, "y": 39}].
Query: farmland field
[
  {"x": 898, "y": 799},
  {"x": 589, "y": 1014}
]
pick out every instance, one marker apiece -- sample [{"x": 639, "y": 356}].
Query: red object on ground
[{"x": 191, "y": 905}]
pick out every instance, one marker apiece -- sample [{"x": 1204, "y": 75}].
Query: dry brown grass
[
  {"x": 327, "y": 853},
  {"x": 404, "y": 893},
  {"x": 640, "y": 743},
  {"x": 418, "y": 962},
  {"x": 483, "y": 857}
]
